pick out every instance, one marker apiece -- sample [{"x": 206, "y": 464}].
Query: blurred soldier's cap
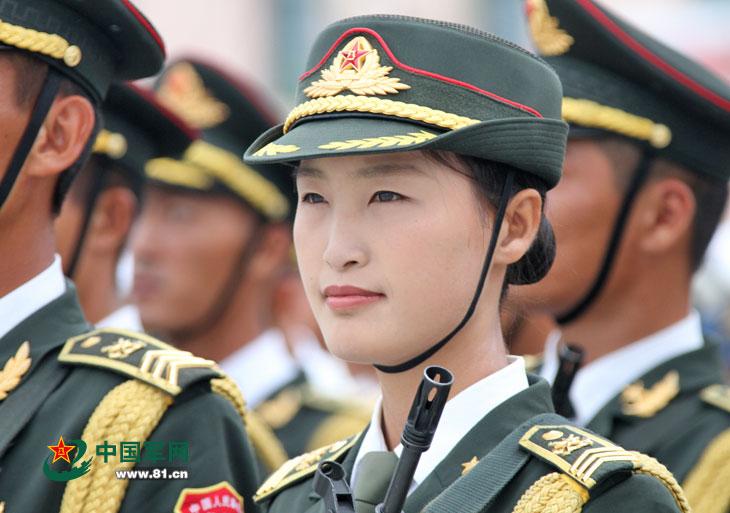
[
  {"x": 230, "y": 114},
  {"x": 618, "y": 80},
  {"x": 137, "y": 129}
]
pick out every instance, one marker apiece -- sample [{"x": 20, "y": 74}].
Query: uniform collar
[
  {"x": 262, "y": 367},
  {"x": 604, "y": 378},
  {"x": 461, "y": 414},
  {"x": 31, "y": 296},
  {"x": 47, "y": 328}
]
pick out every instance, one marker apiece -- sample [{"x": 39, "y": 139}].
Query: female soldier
[{"x": 416, "y": 138}]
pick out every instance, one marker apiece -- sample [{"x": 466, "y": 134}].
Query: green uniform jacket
[
  {"x": 219, "y": 458},
  {"x": 513, "y": 446},
  {"x": 679, "y": 413}
]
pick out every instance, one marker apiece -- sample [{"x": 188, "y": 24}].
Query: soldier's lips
[{"x": 348, "y": 297}]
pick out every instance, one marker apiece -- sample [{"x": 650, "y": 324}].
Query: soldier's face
[
  {"x": 185, "y": 248},
  {"x": 389, "y": 248},
  {"x": 582, "y": 209},
  {"x": 13, "y": 117}
]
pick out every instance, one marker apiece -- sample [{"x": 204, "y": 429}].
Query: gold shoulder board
[
  {"x": 584, "y": 456},
  {"x": 717, "y": 395},
  {"x": 140, "y": 356},
  {"x": 302, "y": 466}
]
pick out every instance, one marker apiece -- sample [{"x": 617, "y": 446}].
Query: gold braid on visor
[
  {"x": 204, "y": 163},
  {"x": 590, "y": 114},
  {"x": 50, "y": 45},
  {"x": 373, "y": 105}
]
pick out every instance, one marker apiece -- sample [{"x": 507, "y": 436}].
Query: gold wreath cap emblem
[
  {"x": 356, "y": 68},
  {"x": 183, "y": 92},
  {"x": 550, "y": 40}
]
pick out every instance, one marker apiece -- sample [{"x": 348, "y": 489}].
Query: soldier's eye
[
  {"x": 312, "y": 197},
  {"x": 386, "y": 196}
]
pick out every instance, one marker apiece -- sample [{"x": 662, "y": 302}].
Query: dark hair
[
  {"x": 30, "y": 74},
  {"x": 710, "y": 193},
  {"x": 489, "y": 178}
]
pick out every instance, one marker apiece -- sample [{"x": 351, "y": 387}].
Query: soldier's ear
[
  {"x": 273, "y": 250},
  {"x": 63, "y": 136},
  {"x": 519, "y": 228},
  {"x": 666, "y": 216}
]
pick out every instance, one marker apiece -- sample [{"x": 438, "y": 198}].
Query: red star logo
[
  {"x": 61, "y": 450},
  {"x": 353, "y": 58}
]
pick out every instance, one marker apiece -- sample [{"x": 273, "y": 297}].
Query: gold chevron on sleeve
[{"x": 166, "y": 363}]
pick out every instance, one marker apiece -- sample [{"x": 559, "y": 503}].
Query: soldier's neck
[
  {"x": 618, "y": 319},
  {"x": 26, "y": 250},
  {"x": 471, "y": 356},
  {"x": 242, "y": 322}
]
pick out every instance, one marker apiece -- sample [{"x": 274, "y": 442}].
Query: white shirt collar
[
  {"x": 604, "y": 378},
  {"x": 460, "y": 415},
  {"x": 126, "y": 317},
  {"x": 261, "y": 367},
  {"x": 31, "y": 296}
]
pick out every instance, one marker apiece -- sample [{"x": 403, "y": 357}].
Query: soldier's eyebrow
[
  {"x": 307, "y": 171},
  {"x": 375, "y": 170}
]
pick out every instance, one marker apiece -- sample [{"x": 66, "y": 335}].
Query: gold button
[
  {"x": 552, "y": 435},
  {"x": 661, "y": 136},
  {"x": 72, "y": 56}
]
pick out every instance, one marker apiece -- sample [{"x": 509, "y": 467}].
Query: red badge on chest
[{"x": 219, "y": 498}]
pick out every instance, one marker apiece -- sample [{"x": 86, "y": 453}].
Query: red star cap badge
[
  {"x": 352, "y": 58},
  {"x": 61, "y": 450}
]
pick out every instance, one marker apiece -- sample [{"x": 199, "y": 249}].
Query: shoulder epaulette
[
  {"x": 139, "y": 356},
  {"x": 592, "y": 461},
  {"x": 301, "y": 467},
  {"x": 584, "y": 456},
  {"x": 717, "y": 395}
]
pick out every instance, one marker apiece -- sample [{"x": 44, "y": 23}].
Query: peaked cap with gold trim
[
  {"x": 230, "y": 114},
  {"x": 137, "y": 128},
  {"x": 618, "y": 80},
  {"x": 93, "y": 42},
  {"x": 381, "y": 83}
]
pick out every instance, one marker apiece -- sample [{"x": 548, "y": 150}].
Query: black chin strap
[
  {"x": 637, "y": 181},
  {"x": 413, "y": 362},
  {"x": 42, "y": 105},
  {"x": 97, "y": 185},
  {"x": 230, "y": 288}
]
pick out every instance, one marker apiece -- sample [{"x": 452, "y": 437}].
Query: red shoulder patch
[{"x": 218, "y": 498}]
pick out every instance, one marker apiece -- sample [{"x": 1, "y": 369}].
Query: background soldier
[
  {"x": 59, "y": 379},
  {"x": 212, "y": 242},
  {"x": 644, "y": 187},
  {"x": 423, "y": 164},
  {"x": 103, "y": 202}
]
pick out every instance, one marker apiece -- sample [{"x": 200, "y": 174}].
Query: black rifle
[
  {"x": 330, "y": 484},
  {"x": 417, "y": 434},
  {"x": 570, "y": 359}
]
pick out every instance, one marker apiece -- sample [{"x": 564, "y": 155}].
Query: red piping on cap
[
  {"x": 657, "y": 61},
  {"x": 150, "y": 98},
  {"x": 145, "y": 22},
  {"x": 417, "y": 71}
]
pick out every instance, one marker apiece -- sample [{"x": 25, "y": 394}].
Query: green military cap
[
  {"x": 230, "y": 114},
  {"x": 618, "y": 80},
  {"x": 391, "y": 83},
  {"x": 92, "y": 42},
  {"x": 137, "y": 128}
]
